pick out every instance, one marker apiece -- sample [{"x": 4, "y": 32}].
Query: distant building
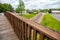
[
  {"x": 56, "y": 12},
  {"x": 24, "y": 12}
]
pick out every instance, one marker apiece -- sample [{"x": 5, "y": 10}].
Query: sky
[{"x": 35, "y": 4}]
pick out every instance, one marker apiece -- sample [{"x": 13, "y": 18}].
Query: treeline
[
  {"x": 6, "y": 7},
  {"x": 42, "y": 10},
  {"x": 37, "y": 11}
]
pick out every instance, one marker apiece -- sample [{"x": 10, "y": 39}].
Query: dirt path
[{"x": 38, "y": 18}]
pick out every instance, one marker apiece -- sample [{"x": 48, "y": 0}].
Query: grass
[
  {"x": 28, "y": 15},
  {"x": 51, "y": 22},
  {"x": 47, "y": 21}
]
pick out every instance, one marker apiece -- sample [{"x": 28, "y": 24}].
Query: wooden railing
[{"x": 29, "y": 30}]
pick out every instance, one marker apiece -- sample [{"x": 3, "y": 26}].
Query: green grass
[
  {"x": 51, "y": 22},
  {"x": 47, "y": 21},
  {"x": 28, "y": 15}
]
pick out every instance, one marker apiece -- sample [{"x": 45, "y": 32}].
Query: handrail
[{"x": 24, "y": 28}]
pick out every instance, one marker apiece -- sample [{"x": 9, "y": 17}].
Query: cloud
[
  {"x": 53, "y": 4},
  {"x": 14, "y": 3},
  {"x": 35, "y": 4},
  {"x": 4, "y": 1}
]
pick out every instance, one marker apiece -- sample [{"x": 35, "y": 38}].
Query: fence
[{"x": 26, "y": 29}]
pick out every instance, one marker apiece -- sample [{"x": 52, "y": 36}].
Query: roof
[{"x": 55, "y": 11}]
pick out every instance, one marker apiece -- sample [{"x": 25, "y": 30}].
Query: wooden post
[
  {"x": 29, "y": 33},
  {"x": 41, "y": 36},
  {"x": 34, "y": 34}
]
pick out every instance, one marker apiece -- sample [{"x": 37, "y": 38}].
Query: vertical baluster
[
  {"x": 34, "y": 34},
  {"x": 17, "y": 28},
  {"x": 41, "y": 36},
  {"x": 20, "y": 30},
  {"x": 11, "y": 20},
  {"x": 14, "y": 23},
  {"x": 23, "y": 30},
  {"x": 7, "y": 15},
  {"x": 26, "y": 32},
  {"x": 29, "y": 33}
]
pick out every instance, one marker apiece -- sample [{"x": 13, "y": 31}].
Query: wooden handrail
[{"x": 24, "y": 28}]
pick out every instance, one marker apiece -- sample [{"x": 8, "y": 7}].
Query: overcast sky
[{"x": 35, "y": 4}]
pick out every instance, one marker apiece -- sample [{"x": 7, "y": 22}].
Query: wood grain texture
[{"x": 6, "y": 31}]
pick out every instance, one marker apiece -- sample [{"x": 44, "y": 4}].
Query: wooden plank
[
  {"x": 41, "y": 36},
  {"x": 26, "y": 38},
  {"x": 20, "y": 30},
  {"x": 23, "y": 31},
  {"x": 6, "y": 30},
  {"x": 29, "y": 33},
  {"x": 34, "y": 34}
]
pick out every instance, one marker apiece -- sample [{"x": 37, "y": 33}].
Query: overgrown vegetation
[{"x": 51, "y": 22}]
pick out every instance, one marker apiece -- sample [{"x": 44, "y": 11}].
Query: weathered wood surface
[
  {"x": 28, "y": 25},
  {"x": 6, "y": 31}
]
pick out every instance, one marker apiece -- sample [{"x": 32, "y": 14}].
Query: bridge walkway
[{"x": 6, "y": 30}]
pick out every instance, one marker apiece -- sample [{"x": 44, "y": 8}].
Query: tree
[
  {"x": 11, "y": 8},
  {"x": 1, "y": 8},
  {"x": 20, "y": 7},
  {"x": 5, "y": 7},
  {"x": 44, "y": 10},
  {"x": 27, "y": 10},
  {"x": 35, "y": 11},
  {"x": 50, "y": 11}
]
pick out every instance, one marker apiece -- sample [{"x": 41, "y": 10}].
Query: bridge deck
[{"x": 6, "y": 31}]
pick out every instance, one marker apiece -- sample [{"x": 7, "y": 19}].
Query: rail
[{"x": 26, "y": 29}]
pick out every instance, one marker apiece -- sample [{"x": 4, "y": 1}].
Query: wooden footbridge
[{"x": 13, "y": 27}]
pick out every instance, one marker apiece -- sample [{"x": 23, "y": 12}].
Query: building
[{"x": 56, "y": 12}]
